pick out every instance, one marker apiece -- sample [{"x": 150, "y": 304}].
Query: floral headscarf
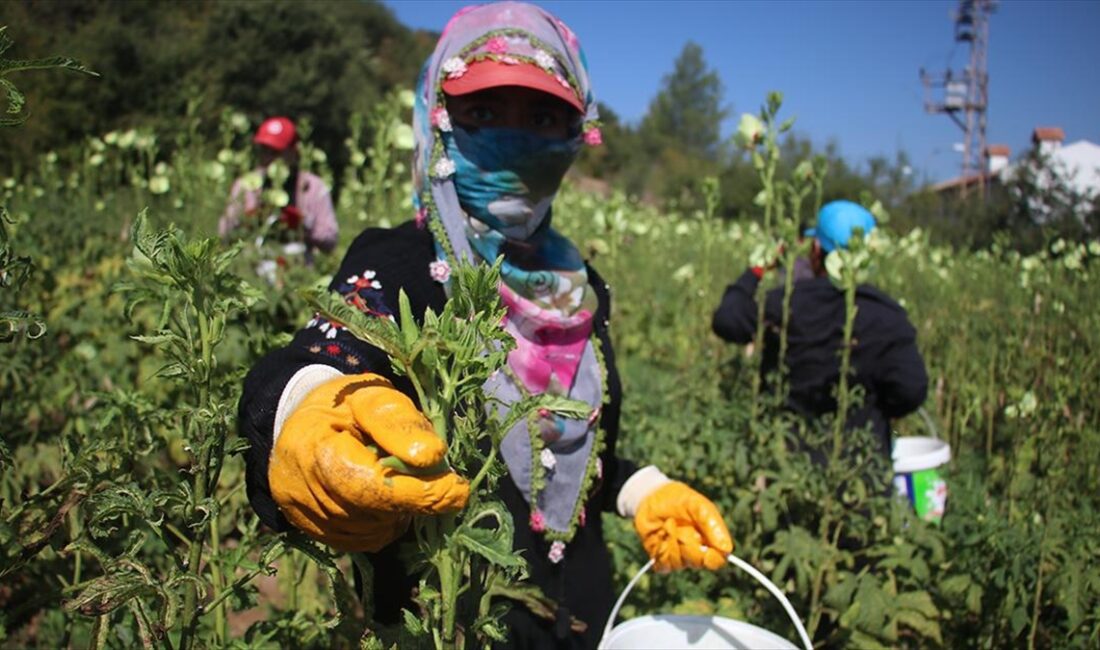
[{"x": 551, "y": 459}]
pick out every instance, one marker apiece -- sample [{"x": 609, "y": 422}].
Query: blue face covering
[{"x": 507, "y": 178}]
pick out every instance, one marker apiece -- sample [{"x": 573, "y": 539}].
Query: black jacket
[
  {"x": 885, "y": 358},
  {"x": 399, "y": 257}
]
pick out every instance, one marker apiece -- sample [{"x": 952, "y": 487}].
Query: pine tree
[{"x": 687, "y": 113}]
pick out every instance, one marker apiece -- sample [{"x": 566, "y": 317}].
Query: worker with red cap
[{"x": 304, "y": 218}]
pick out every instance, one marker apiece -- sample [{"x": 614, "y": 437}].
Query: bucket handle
[
  {"x": 928, "y": 422},
  {"x": 739, "y": 563}
]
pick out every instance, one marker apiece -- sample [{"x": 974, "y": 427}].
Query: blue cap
[{"x": 837, "y": 220}]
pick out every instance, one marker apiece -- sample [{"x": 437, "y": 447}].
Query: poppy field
[{"x": 127, "y": 326}]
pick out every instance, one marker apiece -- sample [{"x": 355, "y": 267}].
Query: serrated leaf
[
  {"x": 379, "y": 332},
  {"x": 492, "y": 543},
  {"x": 490, "y": 546},
  {"x": 865, "y": 641},
  {"x": 926, "y": 626},
  {"x": 109, "y": 592},
  {"x": 917, "y": 601},
  {"x": 156, "y": 339},
  {"x": 562, "y": 406},
  {"x": 171, "y": 371},
  {"x": 870, "y": 604},
  {"x": 15, "y": 98},
  {"x": 413, "y": 624},
  {"x": 56, "y": 62},
  {"x": 5, "y": 40},
  {"x": 839, "y": 596}
]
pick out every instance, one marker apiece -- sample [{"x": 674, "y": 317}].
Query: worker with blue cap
[
  {"x": 836, "y": 223},
  {"x": 885, "y": 358}
]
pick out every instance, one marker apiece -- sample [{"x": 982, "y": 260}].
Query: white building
[{"x": 1076, "y": 164}]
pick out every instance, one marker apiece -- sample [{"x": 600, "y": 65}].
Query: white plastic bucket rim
[
  {"x": 917, "y": 453},
  {"x": 670, "y": 631},
  {"x": 704, "y": 629}
]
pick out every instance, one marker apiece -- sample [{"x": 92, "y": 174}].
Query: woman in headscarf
[{"x": 503, "y": 106}]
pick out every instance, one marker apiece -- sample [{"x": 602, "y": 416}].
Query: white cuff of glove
[
  {"x": 301, "y": 384},
  {"x": 640, "y": 484}
]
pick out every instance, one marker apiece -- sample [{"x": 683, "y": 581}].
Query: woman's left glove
[{"x": 679, "y": 527}]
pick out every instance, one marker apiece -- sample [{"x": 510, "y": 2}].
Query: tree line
[{"x": 174, "y": 66}]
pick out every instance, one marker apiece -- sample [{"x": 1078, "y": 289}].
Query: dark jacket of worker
[{"x": 885, "y": 359}]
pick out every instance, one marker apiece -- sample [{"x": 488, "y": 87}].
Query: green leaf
[
  {"x": 926, "y": 626},
  {"x": 15, "y": 98},
  {"x": 414, "y": 625},
  {"x": 107, "y": 593},
  {"x": 865, "y": 641},
  {"x": 870, "y": 607},
  {"x": 563, "y": 406},
  {"x": 56, "y": 62},
  {"x": 5, "y": 40},
  {"x": 489, "y": 545},
  {"x": 974, "y": 599},
  {"x": 839, "y": 596},
  {"x": 493, "y": 544},
  {"x": 157, "y": 339},
  {"x": 380, "y": 332},
  {"x": 918, "y": 601},
  {"x": 1017, "y": 620}
]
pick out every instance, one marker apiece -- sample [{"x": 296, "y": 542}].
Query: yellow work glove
[
  {"x": 679, "y": 527},
  {"x": 325, "y": 471}
]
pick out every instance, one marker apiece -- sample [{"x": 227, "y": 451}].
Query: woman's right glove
[{"x": 326, "y": 473}]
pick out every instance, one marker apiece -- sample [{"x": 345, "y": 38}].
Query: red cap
[
  {"x": 488, "y": 73},
  {"x": 277, "y": 133}
]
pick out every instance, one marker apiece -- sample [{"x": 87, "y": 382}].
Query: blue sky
[{"x": 848, "y": 70}]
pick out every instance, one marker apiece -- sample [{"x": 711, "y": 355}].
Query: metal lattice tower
[{"x": 964, "y": 97}]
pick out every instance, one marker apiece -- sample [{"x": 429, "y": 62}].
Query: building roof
[
  {"x": 962, "y": 181},
  {"x": 998, "y": 150},
  {"x": 1048, "y": 134}
]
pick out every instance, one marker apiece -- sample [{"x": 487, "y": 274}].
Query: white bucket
[
  {"x": 673, "y": 632},
  {"x": 669, "y": 631},
  {"x": 915, "y": 476}
]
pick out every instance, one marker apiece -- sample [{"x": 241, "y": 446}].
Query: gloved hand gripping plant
[{"x": 465, "y": 559}]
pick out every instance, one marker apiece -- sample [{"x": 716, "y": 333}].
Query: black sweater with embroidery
[{"x": 378, "y": 264}]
